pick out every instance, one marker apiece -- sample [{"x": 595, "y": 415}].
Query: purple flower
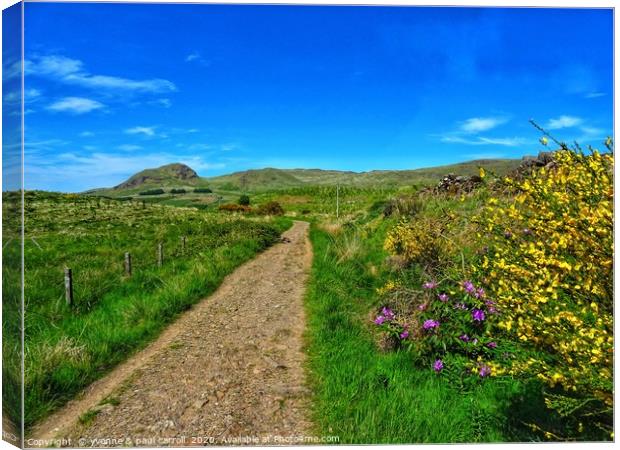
[
  {"x": 430, "y": 285},
  {"x": 484, "y": 371},
  {"x": 464, "y": 338},
  {"x": 430, "y": 324},
  {"x": 477, "y": 315},
  {"x": 492, "y": 344},
  {"x": 460, "y": 306},
  {"x": 438, "y": 366},
  {"x": 388, "y": 313},
  {"x": 469, "y": 287},
  {"x": 493, "y": 310},
  {"x": 479, "y": 293},
  {"x": 379, "y": 320},
  {"x": 443, "y": 297},
  {"x": 404, "y": 334},
  {"x": 423, "y": 307},
  {"x": 475, "y": 341}
]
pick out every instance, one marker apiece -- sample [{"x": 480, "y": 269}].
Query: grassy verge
[
  {"x": 364, "y": 395},
  {"x": 67, "y": 348}
]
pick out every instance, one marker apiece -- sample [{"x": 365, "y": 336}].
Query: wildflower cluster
[
  {"x": 549, "y": 266},
  {"x": 395, "y": 328},
  {"x": 450, "y": 321}
]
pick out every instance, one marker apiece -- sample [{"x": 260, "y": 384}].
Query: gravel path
[{"x": 229, "y": 371}]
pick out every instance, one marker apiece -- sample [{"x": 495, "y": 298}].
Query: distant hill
[
  {"x": 268, "y": 179},
  {"x": 170, "y": 176},
  {"x": 173, "y": 176},
  {"x": 164, "y": 175}
]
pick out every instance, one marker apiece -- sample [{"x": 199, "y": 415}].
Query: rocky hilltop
[{"x": 161, "y": 175}]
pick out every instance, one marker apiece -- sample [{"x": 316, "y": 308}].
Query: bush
[
  {"x": 421, "y": 241},
  {"x": 537, "y": 303},
  {"x": 203, "y": 191},
  {"x": 271, "y": 209},
  {"x": 550, "y": 268},
  {"x": 178, "y": 191},
  {"x": 231, "y": 207},
  {"x": 153, "y": 192},
  {"x": 244, "y": 200}
]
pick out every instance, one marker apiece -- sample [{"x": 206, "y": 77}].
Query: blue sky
[{"x": 112, "y": 89}]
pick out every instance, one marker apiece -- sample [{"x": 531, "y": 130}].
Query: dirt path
[{"x": 228, "y": 371}]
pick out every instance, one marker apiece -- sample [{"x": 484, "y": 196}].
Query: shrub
[
  {"x": 539, "y": 305},
  {"x": 203, "y": 191},
  {"x": 153, "y": 192},
  {"x": 231, "y": 207},
  {"x": 550, "y": 268},
  {"x": 448, "y": 322},
  {"x": 244, "y": 200},
  {"x": 178, "y": 191},
  {"x": 271, "y": 209},
  {"x": 421, "y": 241}
]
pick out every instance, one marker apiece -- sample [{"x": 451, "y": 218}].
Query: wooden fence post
[
  {"x": 68, "y": 286},
  {"x": 160, "y": 254},
  {"x": 128, "y": 264}
]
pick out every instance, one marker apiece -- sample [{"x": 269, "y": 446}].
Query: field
[
  {"x": 113, "y": 314},
  {"x": 424, "y": 322}
]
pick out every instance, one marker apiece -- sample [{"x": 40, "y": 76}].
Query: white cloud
[
  {"x": 192, "y": 56},
  {"x": 87, "y": 134},
  {"x": 508, "y": 142},
  {"x": 165, "y": 102},
  {"x": 71, "y": 71},
  {"x": 480, "y": 140},
  {"x": 14, "y": 97},
  {"x": 592, "y": 131},
  {"x": 563, "y": 122},
  {"x": 229, "y": 147},
  {"x": 478, "y": 124},
  {"x": 75, "y": 105},
  {"x": 11, "y": 70},
  {"x": 595, "y": 94},
  {"x": 196, "y": 58},
  {"x": 147, "y": 131},
  {"x": 129, "y": 147}
]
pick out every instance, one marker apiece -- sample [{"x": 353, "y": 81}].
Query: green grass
[
  {"x": 364, "y": 395},
  {"x": 113, "y": 316}
]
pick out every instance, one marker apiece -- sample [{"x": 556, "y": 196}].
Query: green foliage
[
  {"x": 370, "y": 396},
  {"x": 244, "y": 200},
  {"x": 203, "y": 190},
  {"x": 152, "y": 192},
  {"x": 232, "y": 207},
  {"x": 178, "y": 191},
  {"x": 270, "y": 209}
]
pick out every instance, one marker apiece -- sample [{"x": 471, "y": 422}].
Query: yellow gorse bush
[
  {"x": 549, "y": 266},
  {"x": 421, "y": 240}
]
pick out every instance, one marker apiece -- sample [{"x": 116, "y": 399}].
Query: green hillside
[
  {"x": 270, "y": 179},
  {"x": 180, "y": 176}
]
